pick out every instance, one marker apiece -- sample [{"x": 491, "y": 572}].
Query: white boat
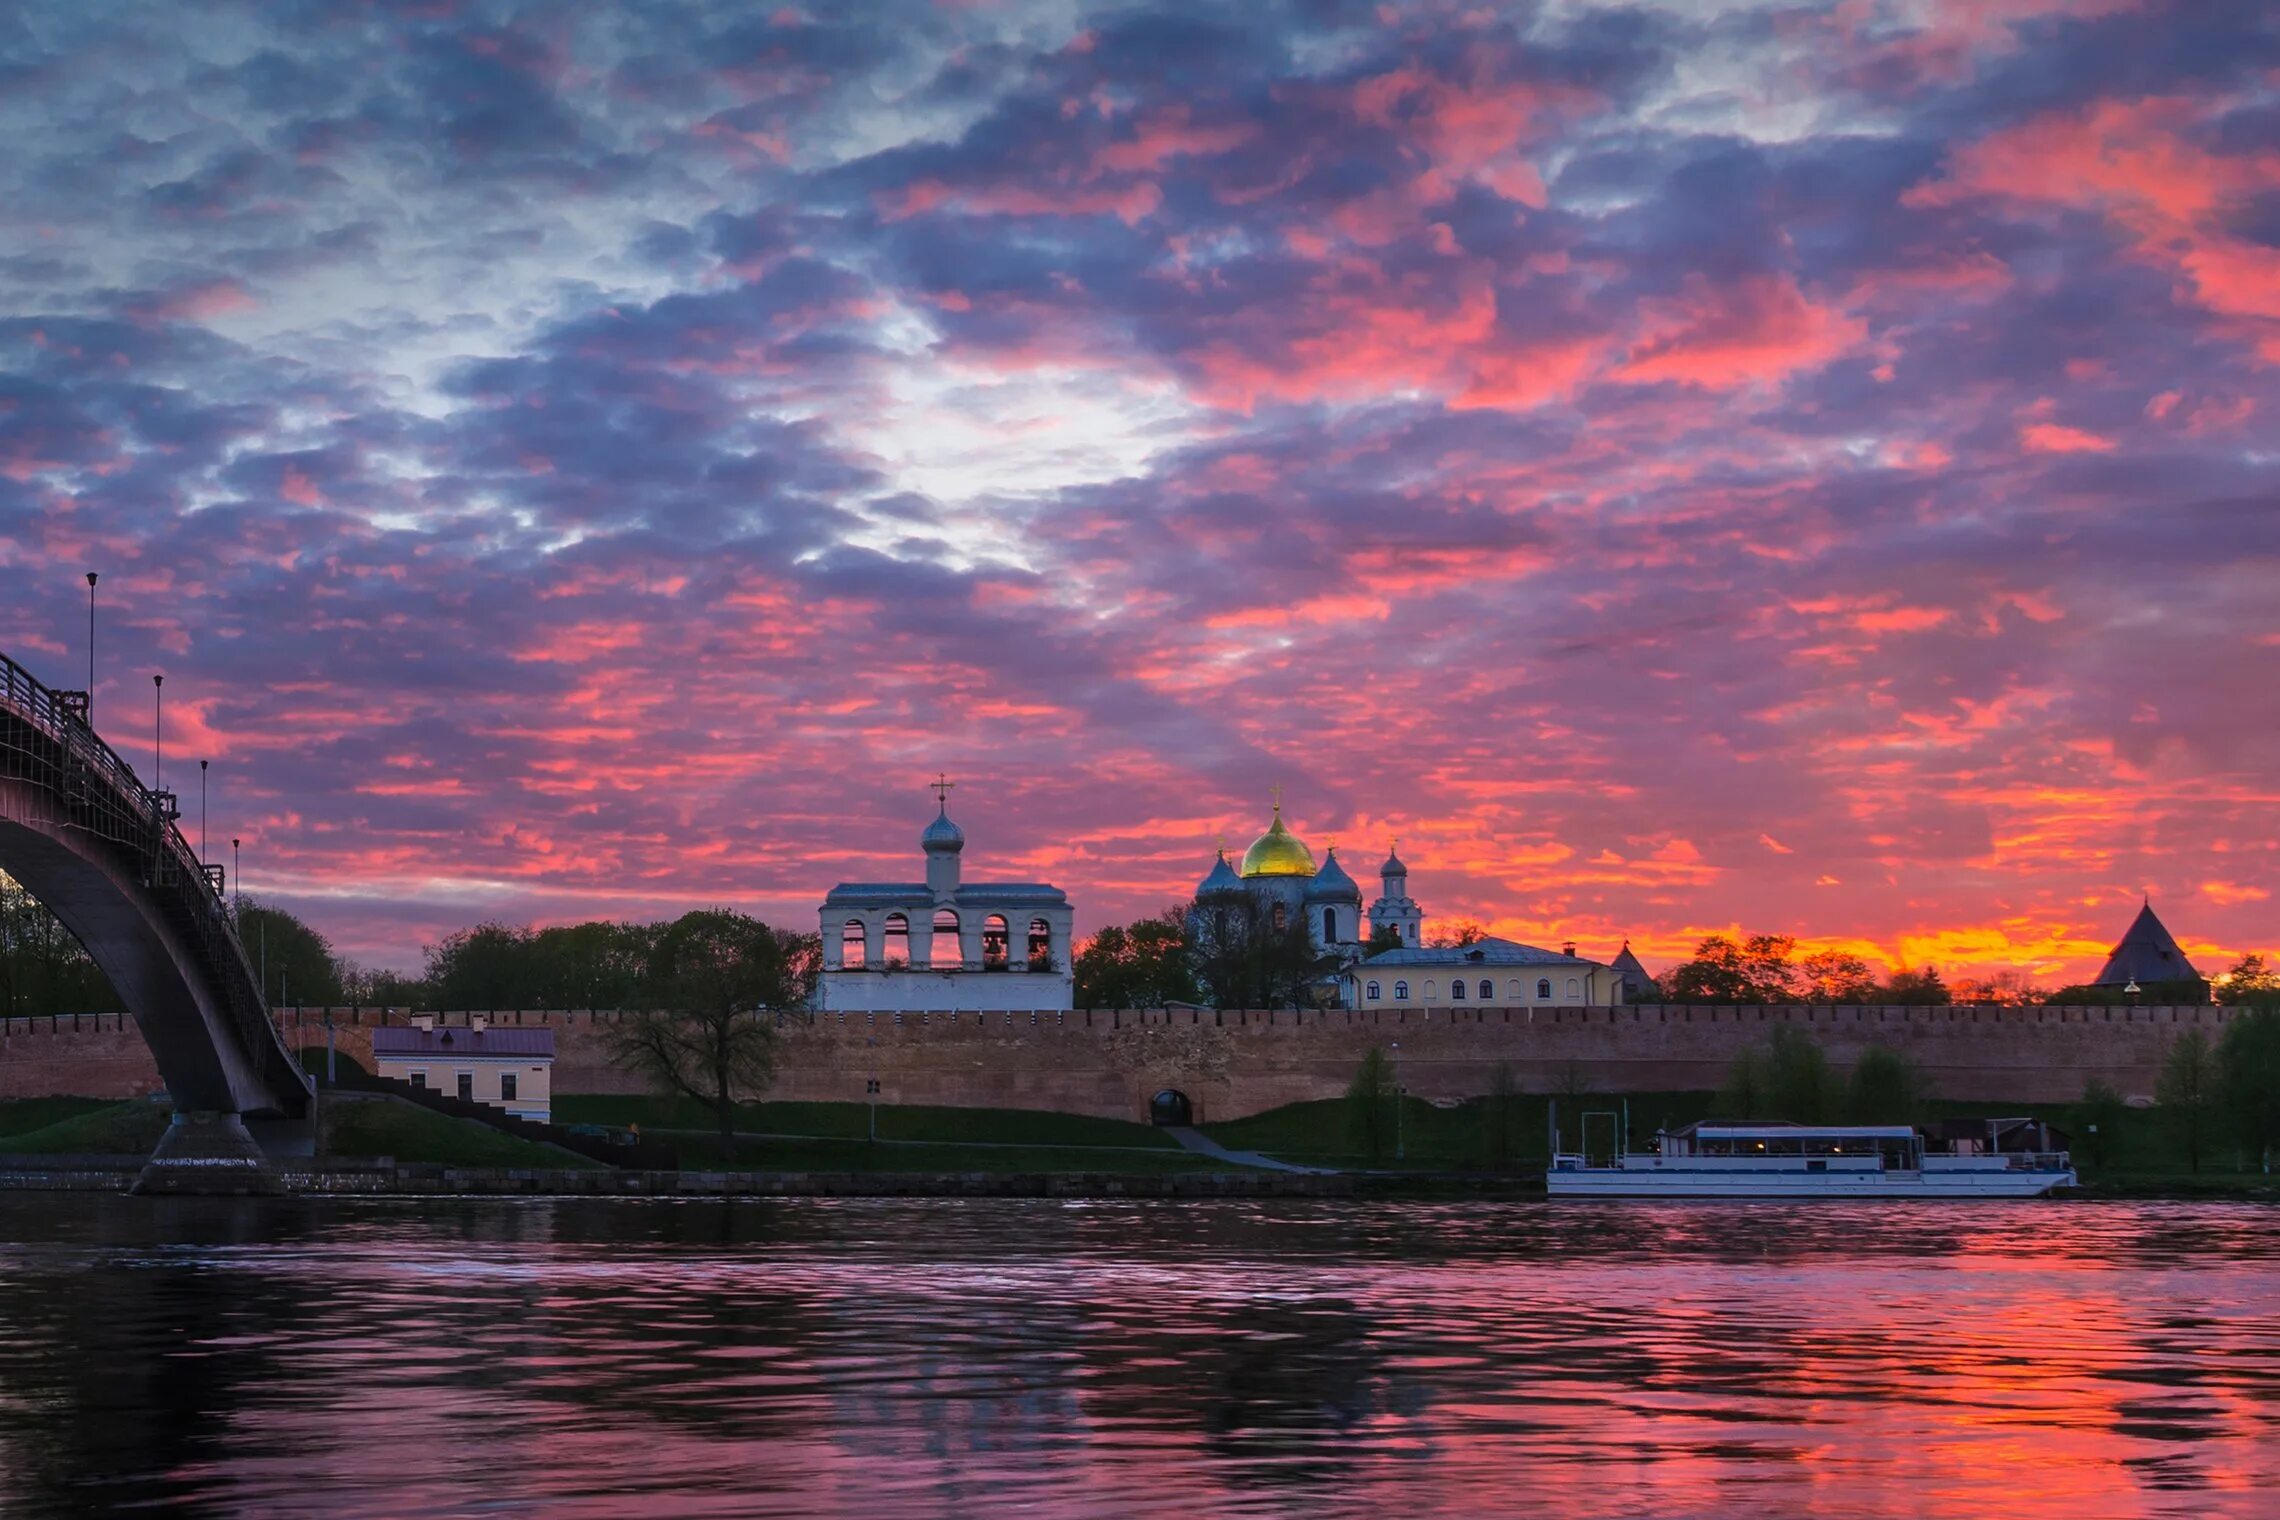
[{"x": 1719, "y": 1158}]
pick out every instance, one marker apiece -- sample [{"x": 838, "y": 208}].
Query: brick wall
[{"x": 1235, "y": 1063}]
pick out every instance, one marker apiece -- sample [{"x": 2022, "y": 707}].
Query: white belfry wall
[{"x": 903, "y": 990}]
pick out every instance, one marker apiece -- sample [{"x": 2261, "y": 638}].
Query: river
[{"x": 893, "y": 1358}]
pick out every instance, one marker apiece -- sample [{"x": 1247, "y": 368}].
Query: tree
[
  {"x": 1916, "y": 989},
  {"x": 718, "y": 975},
  {"x": 1834, "y": 976},
  {"x": 43, "y": 967},
  {"x": 1744, "y": 1095},
  {"x": 1138, "y": 965},
  {"x": 2250, "y": 983},
  {"x": 1757, "y": 970},
  {"x": 1458, "y": 934},
  {"x": 2009, "y": 989},
  {"x": 1246, "y": 954},
  {"x": 2187, "y": 1088},
  {"x": 2102, "y": 1110},
  {"x": 488, "y": 966},
  {"x": 295, "y": 963},
  {"x": 1885, "y": 1087},
  {"x": 1382, "y": 938},
  {"x": 1798, "y": 1086},
  {"x": 2248, "y": 1081},
  {"x": 1370, "y": 1100}
]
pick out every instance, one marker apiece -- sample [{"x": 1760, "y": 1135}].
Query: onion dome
[
  {"x": 1278, "y": 852},
  {"x": 1393, "y": 865},
  {"x": 942, "y": 836},
  {"x": 1332, "y": 884},
  {"x": 1222, "y": 879}
]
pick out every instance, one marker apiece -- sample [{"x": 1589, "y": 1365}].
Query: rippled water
[{"x": 952, "y": 1358}]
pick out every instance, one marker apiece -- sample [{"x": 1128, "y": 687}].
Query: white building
[
  {"x": 1499, "y": 973},
  {"x": 946, "y": 943},
  {"x": 506, "y": 1068}
]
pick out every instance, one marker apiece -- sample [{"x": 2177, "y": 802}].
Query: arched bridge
[{"x": 83, "y": 834}]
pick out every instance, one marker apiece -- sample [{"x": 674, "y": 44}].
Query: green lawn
[
  {"x": 380, "y": 1127},
  {"x": 849, "y": 1121},
  {"x": 94, "y": 1129},
  {"x": 860, "y": 1156},
  {"x": 20, "y": 1116}
]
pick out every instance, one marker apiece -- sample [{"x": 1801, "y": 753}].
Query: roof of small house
[{"x": 464, "y": 1043}]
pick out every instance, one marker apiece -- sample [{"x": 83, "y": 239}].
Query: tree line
[{"x": 1766, "y": 969}]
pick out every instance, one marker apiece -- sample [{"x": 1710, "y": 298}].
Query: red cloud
[{"x": 1754, "y": 331}]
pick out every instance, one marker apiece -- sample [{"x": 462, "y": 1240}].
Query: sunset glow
[{"x": 1806, "y": 470}]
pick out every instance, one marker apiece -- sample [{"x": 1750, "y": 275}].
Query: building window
[
  {"x": 995, "y": 940},
  {"x": 1370, "y": 991},
  {"x": 1401, "y": 992},
  {"x": 854, "y": 944},
  {"x": 1432, "y": 991},
  {"x": 1040, "y": 945},
  {"x": 1512, "y": 991},
  {"x": 1456, "y": 989},
  {"x": 1575, "y": 990},
  {"x": 897, "y": 949},
  {"x": 467, "y": 1087},
  {"x": 1487, "y": 990},
  {"x": 944, "y": 952},
  {"x": 507, "y": 1087},
  {"x": 1281, "y": 918},
  {"x": 1543, "y": 989},
  {"x": 419, "y": 1080},
  {"x": 1329, "y": 926}
]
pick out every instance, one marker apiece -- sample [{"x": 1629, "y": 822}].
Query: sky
[{"x": 1677, "y": 468}]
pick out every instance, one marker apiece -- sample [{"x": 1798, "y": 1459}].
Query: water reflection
[{"x": 854, "y": 1357}]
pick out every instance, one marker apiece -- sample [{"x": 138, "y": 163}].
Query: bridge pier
[{"x": 209, "y": 1155}]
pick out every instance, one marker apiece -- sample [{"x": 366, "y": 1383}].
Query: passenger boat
[{"x": 1716, "y": 1158}]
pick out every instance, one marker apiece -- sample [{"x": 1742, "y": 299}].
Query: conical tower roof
[
  {"x": 1222, "y": 879},
  {"x": 2147, "y": 953}
]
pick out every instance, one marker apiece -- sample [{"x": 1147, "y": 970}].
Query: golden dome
[{"x": 1278, "y": 852}]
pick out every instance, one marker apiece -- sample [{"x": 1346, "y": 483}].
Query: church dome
[
  {"x": 1332, "y": 884},
  {"x": 942, "y": 834},
  {"x": 1221, "y": 879},
  {"x": 1278, "y": 852},
  {"x": 1393, "y": 865}
]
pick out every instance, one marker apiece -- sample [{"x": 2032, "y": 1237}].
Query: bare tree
[{"x": 719, "y": 975}]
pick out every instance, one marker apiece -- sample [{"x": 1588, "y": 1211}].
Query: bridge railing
[{"x": 105, "y": 796}]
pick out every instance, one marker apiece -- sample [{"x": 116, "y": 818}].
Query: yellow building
[
  {"x": 511, "y": 1069},
  {"x": 1494, "y": 973}
]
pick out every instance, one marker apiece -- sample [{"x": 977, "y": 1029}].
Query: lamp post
[
  {"x": 871, "y": 1091},
  {"x": 2132, "y": 991},
  {"x": 237, "y": 891},
  {"x": 202, "y": 809},
  {"x": 157, "y": 733},
  {"x": 91, "y": 648}
]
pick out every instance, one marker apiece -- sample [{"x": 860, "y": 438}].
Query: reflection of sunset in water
[{"x": 944, "y": 1358}]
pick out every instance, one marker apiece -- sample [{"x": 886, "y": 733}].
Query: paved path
[{"x": 1203, "y": 1145}]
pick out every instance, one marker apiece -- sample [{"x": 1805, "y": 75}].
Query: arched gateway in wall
[{"x": 85, "y": 836}]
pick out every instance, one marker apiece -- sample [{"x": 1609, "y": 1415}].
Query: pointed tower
[
  {"x": 2147, "y": 953},
  {"x": 1394, "y": 906},
  {"x": 1631, "y": 975}
]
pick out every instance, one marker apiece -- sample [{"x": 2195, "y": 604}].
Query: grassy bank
[
  {"x": 22, "y": 1116},
  {"x": 84, "y": 1127},
  {"x": 378, "y": 1127},
  {"x": 851, "y": 1121}
]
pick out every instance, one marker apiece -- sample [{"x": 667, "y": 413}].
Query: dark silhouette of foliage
[{"x": 1138, "y": 965}]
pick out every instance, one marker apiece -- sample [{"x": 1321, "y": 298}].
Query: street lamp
[
  {"x": 871, "y": 1090},
  {"x": 2131, "y": 991},
  {"x": 157, "y": 733},
  {"x": 237, "y": 888},
  {"x": 91, "y": 648},
  {"x": 202, "y": 809}
]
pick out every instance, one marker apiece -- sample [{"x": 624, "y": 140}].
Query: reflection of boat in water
[{"x": 1719, "y": 1158}]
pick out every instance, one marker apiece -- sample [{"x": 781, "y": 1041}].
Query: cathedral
[{"x": 1280, "y": 873}]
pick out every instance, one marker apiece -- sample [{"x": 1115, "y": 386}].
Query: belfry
[{"x": 945, "y": 942}]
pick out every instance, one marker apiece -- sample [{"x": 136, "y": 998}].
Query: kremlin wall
[{"x": 1230, "y": 1064}]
